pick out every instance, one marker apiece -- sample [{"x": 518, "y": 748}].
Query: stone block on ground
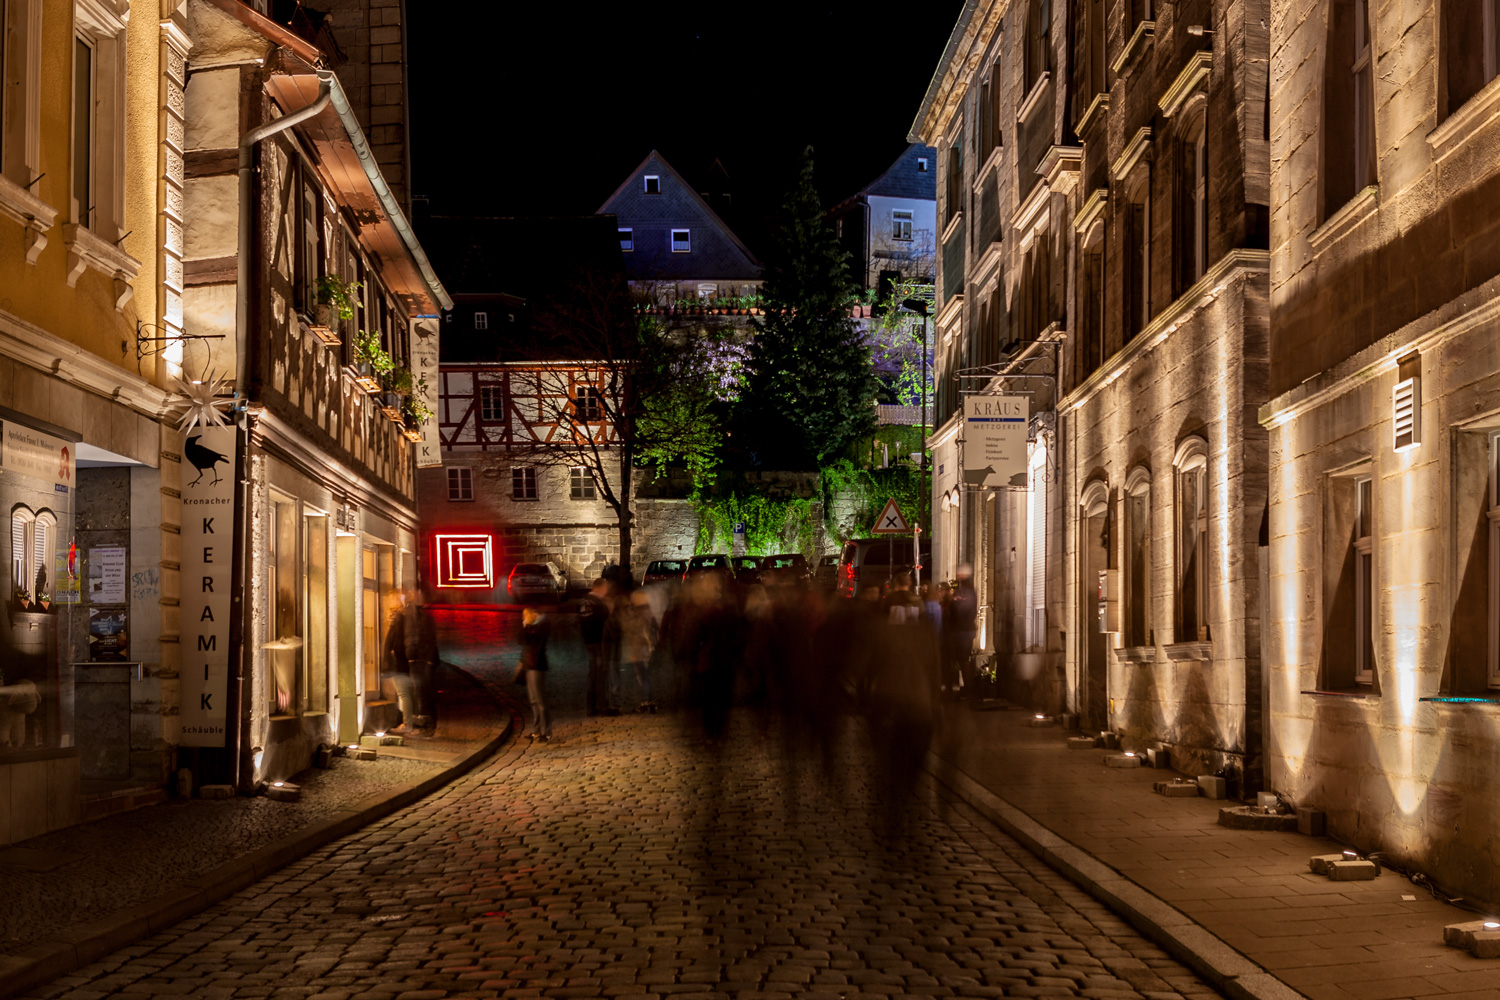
[
  {"x": 1082, "y": 742},
  {"x": 1176, "y": 789},
  {"x": 1311, "y": 822},
  {"x": 1042, "y": 721},
  {"x": 1319, "y": 864},
  {"x": 1256, "y": 818},
  {"x": 1353, "y": 871},
  {"x": 1159, "y": 757},
  {"x": 1462, "y": 935},
  {"x": 1111, "y": 740},
  {"x": 1122, "y": 760},
  {"x": 284, "y": 791},
  {"x": 1212, "y": 786},
  {"x": 216, "y": 792},
  {"x": 1486, "y": 944}
]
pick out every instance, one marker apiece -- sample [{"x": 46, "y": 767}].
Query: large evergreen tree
[{"x": 812, "y": 387}]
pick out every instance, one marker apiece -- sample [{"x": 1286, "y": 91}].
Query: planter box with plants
[
  {"x": 336, "y": 303},
  {"x": 371, "y": 363}
]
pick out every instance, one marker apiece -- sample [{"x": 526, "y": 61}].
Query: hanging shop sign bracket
[{"x": 142, "y": 339}]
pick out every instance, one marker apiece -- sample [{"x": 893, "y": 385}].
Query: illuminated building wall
[{"x": 1382, "y": 631}]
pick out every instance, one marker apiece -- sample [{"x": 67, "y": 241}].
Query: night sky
[{"x": 545, "y": 112}]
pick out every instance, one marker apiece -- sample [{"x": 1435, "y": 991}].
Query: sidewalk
[
  {"x": 1240, "y": 907},
  {"x": 76, "y": 894}
]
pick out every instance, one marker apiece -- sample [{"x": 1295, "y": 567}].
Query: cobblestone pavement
[{"x": 630, "y": 860}]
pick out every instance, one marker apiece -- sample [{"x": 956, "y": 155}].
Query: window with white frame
[
  {"x": 31, "y": 541},
  {"x": 98, "y": 118},
  {"x": 627, "y": 239},
  {"x": 1192, "y": 542},
  {"x": 1364, "y": 98},
  {"x": 921, "y": 164},
  {"x": 682, "y": 241},
  {"x": 20, "y": 94},
  {"x": 481, "y": 321},
  {"x": 1036, "y": 549},
  {"x": 492, "y": 403},
  {"x": 1364, "y": 581},
  {"x": 653, "y": 184},
  {"x": 1137, "y": 552},
  {"x": 460, "y": 484},
  {"x": 523, "y": 483},
  {"x": 580, "y": 483},
  {"x": 900, "y": 224}
]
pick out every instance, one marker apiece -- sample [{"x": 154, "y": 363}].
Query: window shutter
[
  {"x": 1406, "y": 413},
  {"x": 1036, "y": 543}
]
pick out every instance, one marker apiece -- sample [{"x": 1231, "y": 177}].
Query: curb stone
[
  {"x": 43, "y": 961},
  {"x": 1179, "y": 935}
]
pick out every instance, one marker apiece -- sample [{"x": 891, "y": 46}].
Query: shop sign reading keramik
[
  {"x": 207, "y": 551},
  {"x": 424, "y": 365}
]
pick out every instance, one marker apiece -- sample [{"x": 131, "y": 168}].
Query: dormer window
[
  {"x": 921, "y": 164},
  {"x": 682, "y": 241},
  {"x": 627, "y": 240},
  {"x": 653, "y": 184},
  {"x": 481, "y": 321}
]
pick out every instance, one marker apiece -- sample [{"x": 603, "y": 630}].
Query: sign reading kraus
[
  {"x": 994, "y": 451},
  {"x": 207, "y": 557}
]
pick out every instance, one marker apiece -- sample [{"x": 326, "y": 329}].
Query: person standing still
[
  {"x": 535, "y": 630},
  {"x": 593, "y": 615},
  {"x": 421, "y": 658}
]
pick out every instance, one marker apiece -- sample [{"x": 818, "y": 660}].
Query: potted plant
[
  {"x": 45, "y": 600},
  {"x": 371, "y": 362},
  {"x": 337, "y": 300},
  {"x": 415, "y": 412},
  {"x": 22, "y": 597},
  {"x": 396, "y": 385}
]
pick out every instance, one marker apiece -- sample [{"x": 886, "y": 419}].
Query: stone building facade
[
  {"x": 1382, "y": 638},
  {"x": 1103, "y": 199}
]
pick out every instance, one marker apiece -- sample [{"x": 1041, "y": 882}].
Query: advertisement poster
[
  {"x": 67, "y": 584},
  {"x": 994, "y": 451},
  {"x": 37, "y": 456},
  {"x": 424, "y": 364},
  {"x": 107, "y": 575},
  {"x": 207, "y": 546},
  {"x": 109, "y": 642}
]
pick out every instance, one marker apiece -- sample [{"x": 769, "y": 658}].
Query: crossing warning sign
[{"x": 891, "y": 521}]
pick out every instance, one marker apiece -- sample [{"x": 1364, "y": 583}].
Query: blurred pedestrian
[
  {"x": 593, "y": 615},
  {"x": 535, "y": 630},
  {"x": 963, "y": 616},
  {"x": 396, "y": 668},
  {"x": 421, "y": 658},
  {"x": 637, "y": 628},
  {"x": 902, "y": 701}
]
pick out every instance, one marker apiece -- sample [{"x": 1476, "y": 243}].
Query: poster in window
[
  {"x": 107, "y": 575},
  {"x": 109, "y": 641}
]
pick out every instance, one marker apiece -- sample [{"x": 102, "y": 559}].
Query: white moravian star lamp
[{"x": 205, "y": 407}]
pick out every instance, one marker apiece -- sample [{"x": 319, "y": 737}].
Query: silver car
[{"x": 536, "y": 580}]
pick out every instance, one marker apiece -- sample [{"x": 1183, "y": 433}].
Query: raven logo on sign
[{"x": 203, "y": 459}]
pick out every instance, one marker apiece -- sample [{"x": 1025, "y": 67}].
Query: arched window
[
  {"x": 1348, "y": 104},
  {"x": 32, "y": 538},
  {"x": 1471, "y": 49},
  {"x": 1136, "y": 233},
  {"x": 1191, "y": 465},
  {"x": 1137, "y": 552}
]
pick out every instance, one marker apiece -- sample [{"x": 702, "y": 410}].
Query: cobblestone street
[{"x": 627, "y": 859}]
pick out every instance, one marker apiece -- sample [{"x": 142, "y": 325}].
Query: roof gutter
[
  {"x": 930, "y": 98},
  {"x": 383, "y": 191}
]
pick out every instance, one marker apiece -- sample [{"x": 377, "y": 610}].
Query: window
[
  {"x": 954, "y": 198},
  {"x": 1038, "y": 42},
  {"x": 627, "y": 240},
  {"x": 315, "y": 613},
  {"x": 838, "y": 228},
  {"x": 1471, "y": 42},
  {"x": 31, "y": 541},
  {"x": 921, "y": 164},
  {"x": 309, "y": 263},
  {"x": 1348, "y": 105},
  {"x": 1137, "y": 575},
  {"x": 1137, "y": 297},
  {"x": 1036, "y": 549},
  {"x": 588, "y": 405},
  {"x": 460, "y": 484},
  {"x": 707, "y": 289},
  {"x": 1093, "y": 68},
  {"x": 1193, "y": 181},
  {"x": 283, "y": 624},
  {"x": 20, "y": 82},
  {"x": 1139, "y": 11},
  {"x": 481, "y": 321},
  {"x": 581, "y": 483},
  {"x": 98, "y": 126},
  {"x": 523, "y": 483},
  {"x": 653, "y": 184},
  {"x": 492, "y": 403},
  {"x": 682, "y": 241},
  {"x": 900, "y": 225},
  {"x": 1192, "y": 541},
  {"x": 1364, "y": 582},
  {"x": 1091, "y": 290},
  {"x": 1492, "y": 516}
]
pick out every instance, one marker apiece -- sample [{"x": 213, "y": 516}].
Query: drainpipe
[{"x": 240, "y": 777}]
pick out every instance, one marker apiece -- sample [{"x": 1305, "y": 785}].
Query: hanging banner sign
[
  {"x": 994, "y": 451},
  {"x": 424, "y": 365},
  {"x": 207, "y": 557},
  {"x": 37, "y": 456}
]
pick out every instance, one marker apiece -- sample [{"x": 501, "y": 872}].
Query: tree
[
  {"x": 811, "y": 387},
  {"x": 697, "y": 374}
]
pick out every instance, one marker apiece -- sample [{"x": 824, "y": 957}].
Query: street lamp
[{"x": 918, "y": 307}]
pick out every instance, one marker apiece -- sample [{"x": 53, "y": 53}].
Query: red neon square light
[{"x": 463, "y": 561}]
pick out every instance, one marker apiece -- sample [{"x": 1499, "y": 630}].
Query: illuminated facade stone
[{"x": 1385, "y": 382}]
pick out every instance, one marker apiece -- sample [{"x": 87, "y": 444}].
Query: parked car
[
  {"x": 543, "y": 580},
  {"x": 868, "y": 562},
  {"x": 826, "y": 576},
  {"x": 788, "y": 568},
  {"x": 663, "y": 570},
  {"x": 746, "y": 570},
  {"x": 699, "y": 565}
]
